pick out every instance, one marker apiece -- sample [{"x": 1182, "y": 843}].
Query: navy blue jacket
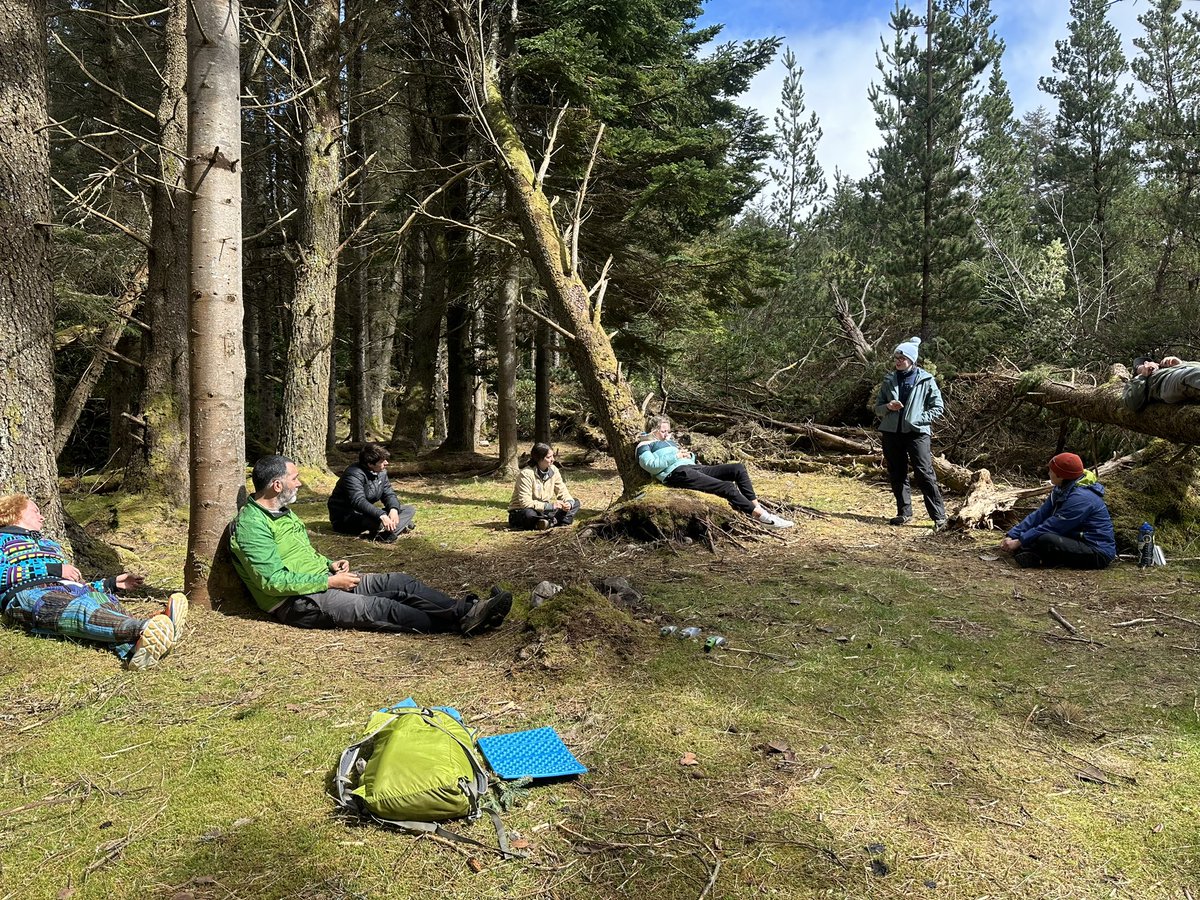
[{"x": 1074, "y": 510}]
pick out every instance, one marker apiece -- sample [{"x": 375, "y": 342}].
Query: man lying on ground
[
  {"x": 43, "y": 593},
  {"x": 1072, "y": 529},
  {"x": 352, "y": 508},
  {"x": 676, "y": 467},
  {"x": 540, "y": 497},
  {"x": 1171, "y": 381},
  {"x": 298, "y": 586}
]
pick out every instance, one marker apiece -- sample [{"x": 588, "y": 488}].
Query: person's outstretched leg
[
  {"x": 693, "y": 479},
  {"x": 442, "y": 611}
]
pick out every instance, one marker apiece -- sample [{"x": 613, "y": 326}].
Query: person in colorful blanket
[
  {"x": 43, "y": 593},
  {"x": 1072, "y": 529},
  {"x": 676, "y": 467}
]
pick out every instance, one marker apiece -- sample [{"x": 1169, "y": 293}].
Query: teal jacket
[
  {"x": 274, "y": 557},
  {"x": 924, "y": 404},
  {"x": 660, "y": 458}
]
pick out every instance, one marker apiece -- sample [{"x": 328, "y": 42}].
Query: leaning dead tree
[{"x": 554, "y": 256}]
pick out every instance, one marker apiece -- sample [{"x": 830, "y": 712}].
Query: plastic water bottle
[
  {"x": 714, "y": 642},
  {"x": 1145, "y": 544},
  {"x": 668, "y": 630},
  {"x": 689, "y": 634}
]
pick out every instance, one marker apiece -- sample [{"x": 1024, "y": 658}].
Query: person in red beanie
[{"x": 1072, "y": 529}]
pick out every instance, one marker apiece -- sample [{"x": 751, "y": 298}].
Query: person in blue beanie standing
[{"x": 908, "y": 403}]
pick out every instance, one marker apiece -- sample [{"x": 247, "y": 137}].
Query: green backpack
[{"x": 413, "y": 768}]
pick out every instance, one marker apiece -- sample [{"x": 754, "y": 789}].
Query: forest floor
[{"x": 921, "y": 728}]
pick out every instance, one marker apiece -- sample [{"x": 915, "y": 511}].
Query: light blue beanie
[{"x": 909, "y": 348}]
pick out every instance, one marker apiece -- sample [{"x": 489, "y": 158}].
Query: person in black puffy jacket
[{"x": 352, "y": 505}]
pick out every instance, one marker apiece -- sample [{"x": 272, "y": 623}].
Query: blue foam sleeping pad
[{"x": 539, "y": 753}]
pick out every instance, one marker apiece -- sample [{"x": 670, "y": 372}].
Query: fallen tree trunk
[
  {"x": 986, "y": 502},
  {"x": 1178, "y": 423}
]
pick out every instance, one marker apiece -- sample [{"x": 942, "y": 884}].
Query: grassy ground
[{"x": 919, "y": 728}]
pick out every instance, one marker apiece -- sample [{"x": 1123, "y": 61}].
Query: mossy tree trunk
[
  {"x": 26, "y": 268},
  {"x": 159, "y": 463},
  {"x": 1177, "y": 423},
  {"x": 591, "y": 351},
  {"x": 306, "y": 381}
]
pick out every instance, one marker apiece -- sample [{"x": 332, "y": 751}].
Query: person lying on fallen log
[
  {"x": 1072, "y": 529},
  {"x": 1169, "y": 381},
  {"x": 676, "y": 467}
]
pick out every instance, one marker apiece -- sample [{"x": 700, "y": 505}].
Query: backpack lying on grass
[{"x": 416, "y": 767}]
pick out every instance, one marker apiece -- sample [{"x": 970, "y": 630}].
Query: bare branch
[
  {"x": 577, "y": 219},
  {"x": 545, "y": 166},
  {"x": 537, "y": 315},
  {"x": 83, "y": 67},
  {"x": 124, "y": 229}
]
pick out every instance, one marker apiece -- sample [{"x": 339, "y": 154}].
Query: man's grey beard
[{"x": 287, "y": 499}]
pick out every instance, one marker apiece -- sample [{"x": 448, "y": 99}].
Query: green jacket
[{"x": 274, "y": 557}]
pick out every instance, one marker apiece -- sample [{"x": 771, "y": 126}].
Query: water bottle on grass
[{"x": 1145, "y": 545}]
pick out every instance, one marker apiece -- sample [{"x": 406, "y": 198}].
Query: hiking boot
[
  {"x": 899, "y": 520},
  {"x": 486, "y": 613},
  {"x": 157, "y": 638},
  {"x": 940, "y": 525},
  {"x": 541, "y": 525},
  {"x": 176, "y": 611}
]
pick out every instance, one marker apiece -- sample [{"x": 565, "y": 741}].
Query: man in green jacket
[{"x": 298, "y": 586}]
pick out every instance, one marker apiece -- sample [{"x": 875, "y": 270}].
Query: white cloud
[{"x": 839, "y": 66}]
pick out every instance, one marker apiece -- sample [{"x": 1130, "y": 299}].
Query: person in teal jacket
[
  {"x": 676, "y": 467},
  {"x": 294, "y": 583},
  {"x": 908, "y": 403}
]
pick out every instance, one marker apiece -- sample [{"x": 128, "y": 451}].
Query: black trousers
[
  {"x": 730, "y": 482},
  {"x": 1056, "y": 550},
  {"x": 356, "y": 523},
  {"x": 387, "y": 602},
  {"x": 900, "y": 449},
  {"x": 527, "y": 519}
]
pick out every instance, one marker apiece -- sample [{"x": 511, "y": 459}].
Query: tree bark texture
[
  {"x": 506, "y": 364},
  {"x": 541, "y": 383},
  {"x": 26, "y": 274},
  {"x": 160, "y": 462},
  {"x": 306, "y": 379},
  {"x": 416, "y": 402},
  {"x": 217, "y": 362}
]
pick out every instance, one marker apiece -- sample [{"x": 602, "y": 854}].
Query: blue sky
[{"x": 835, "y": 42}]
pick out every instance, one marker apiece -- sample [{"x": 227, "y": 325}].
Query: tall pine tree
[{"x": 920, "y": 179}]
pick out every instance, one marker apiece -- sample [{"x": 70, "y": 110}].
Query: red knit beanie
[{"x": 1067, "y": 466}]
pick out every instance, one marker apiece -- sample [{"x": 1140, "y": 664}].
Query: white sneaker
[{"x": 773, "y": 521}]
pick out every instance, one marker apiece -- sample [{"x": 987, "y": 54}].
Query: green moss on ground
[{"x": 892, "y": 710}]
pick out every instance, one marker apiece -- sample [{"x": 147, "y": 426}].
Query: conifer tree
[
  {"x": 799, "y": 179},
  {"x": 1167, "y": 131},
  {"x": 1089, "y": 167},
  {"x": 920, "y": 178}
]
